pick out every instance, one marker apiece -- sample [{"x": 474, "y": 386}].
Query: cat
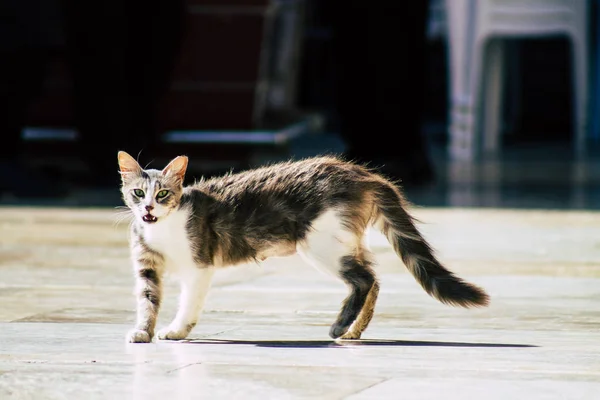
[{"x": 318, "y": 207}]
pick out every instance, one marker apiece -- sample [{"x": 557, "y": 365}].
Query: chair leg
[
  {"x": 460, "y": 57},
  {"x": 580, "y": 91},
  {"x": 465, "y": 143},
  {"x": 493, "y": 94},
  {"x": 462, "y": 146}
]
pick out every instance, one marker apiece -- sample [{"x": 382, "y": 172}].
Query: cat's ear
[
  {"x": 176, "y": 167},
  {"x": 128, "y": 165}
]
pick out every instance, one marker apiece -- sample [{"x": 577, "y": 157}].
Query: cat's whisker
[
  {"x": 118, "y": 222},
  {"x": 122, "y": 215}
]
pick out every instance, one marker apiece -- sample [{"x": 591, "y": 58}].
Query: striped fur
[{"x": 319, "y": 207}]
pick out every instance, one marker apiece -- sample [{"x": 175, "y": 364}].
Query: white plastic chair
[{"x": 476, "y": 29}]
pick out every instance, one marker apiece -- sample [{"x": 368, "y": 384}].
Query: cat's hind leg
[
  {"x": 366, "y": 314},
  {"x": 360, "y": 279},
  {"x": 195, "y": 283},
  {"x": 335, "y": 249}
]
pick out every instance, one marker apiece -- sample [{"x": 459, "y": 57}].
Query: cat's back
[
  {"x": 268, "y": 210},
  {"x": 315, "y": 176}
]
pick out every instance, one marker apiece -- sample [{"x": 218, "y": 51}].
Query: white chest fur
[{"x": 169, "y": 237}]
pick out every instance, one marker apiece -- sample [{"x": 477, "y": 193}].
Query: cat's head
[{"x": 149, "y": 193}]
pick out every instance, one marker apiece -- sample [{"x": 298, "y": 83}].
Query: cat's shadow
[{"x": 351, "y": 343}]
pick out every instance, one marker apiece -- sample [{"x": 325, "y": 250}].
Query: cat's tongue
[{"x": 149, "y": 218}]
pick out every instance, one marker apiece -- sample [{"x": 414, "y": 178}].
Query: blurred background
[{"x": 487, "y": 103}]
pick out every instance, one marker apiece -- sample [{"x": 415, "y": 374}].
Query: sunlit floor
[{"x": 66, "y": 304}]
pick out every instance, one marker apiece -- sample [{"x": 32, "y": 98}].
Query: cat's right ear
[
  {"x": 128, "y": 165},
  {"x": 177, "y": 168}
]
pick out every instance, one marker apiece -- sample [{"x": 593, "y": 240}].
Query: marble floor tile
[{"x": 66, "y": 303}]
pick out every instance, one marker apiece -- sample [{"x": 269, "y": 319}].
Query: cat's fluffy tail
[{"x": 399, "y": 228}]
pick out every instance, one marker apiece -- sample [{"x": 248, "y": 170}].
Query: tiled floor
[{"x": 66, "y": 303}]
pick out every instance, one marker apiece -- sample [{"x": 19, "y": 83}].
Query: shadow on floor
[{"x": 351, "y": 343}]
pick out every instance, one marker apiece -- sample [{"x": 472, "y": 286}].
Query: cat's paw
[
  {"x": 337, "y": 331},
  {"x": 138, "y": 336},
  {"x": 170, "y": 333},
  {"x": 350, "y": 335}
]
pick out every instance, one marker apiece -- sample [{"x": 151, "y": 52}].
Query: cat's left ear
[
  {"x": 128, "y": 164},
  {"x": 176, "y": 167}
]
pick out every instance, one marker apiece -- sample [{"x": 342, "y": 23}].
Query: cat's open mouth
[{"x": 149, "y": 218}]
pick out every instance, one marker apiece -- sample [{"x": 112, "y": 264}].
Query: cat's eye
[
  {"x": 138, "y": 192},
  {"x": 162, "y": 194}
]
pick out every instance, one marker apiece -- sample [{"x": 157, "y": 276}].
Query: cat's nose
[{"x": 149, "y": 208}]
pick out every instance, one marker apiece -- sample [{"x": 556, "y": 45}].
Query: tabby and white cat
[{"x": 319, "y": 207}]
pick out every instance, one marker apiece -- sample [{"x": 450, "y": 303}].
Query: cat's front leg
[
  {"x": 195, "y": 284},
  {"x": 148, "y": 267}
]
